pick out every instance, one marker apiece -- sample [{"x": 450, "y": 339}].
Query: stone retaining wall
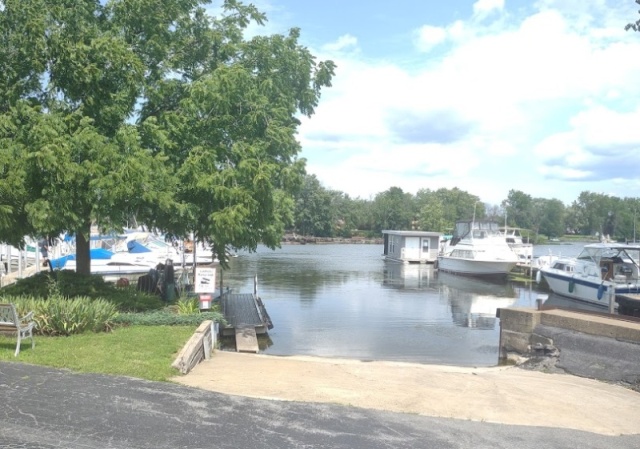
[{"x": 588, "y": 345}]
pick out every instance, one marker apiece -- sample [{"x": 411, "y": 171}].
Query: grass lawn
[{"x": 138, "y": 351}]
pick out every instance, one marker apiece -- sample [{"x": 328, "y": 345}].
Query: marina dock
[{"x": 246, "y": 318}]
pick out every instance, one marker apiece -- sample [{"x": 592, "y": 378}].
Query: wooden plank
[
  {"x": 14, "y": 276},
  {"x": 196, "y": 349},
  {"x": 246, "y": 339}
]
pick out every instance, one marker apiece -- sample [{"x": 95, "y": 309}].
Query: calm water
[{"x": 345, "y": 301}]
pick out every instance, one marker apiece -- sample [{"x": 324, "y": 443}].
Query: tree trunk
[{"x": 83, "y": 255}]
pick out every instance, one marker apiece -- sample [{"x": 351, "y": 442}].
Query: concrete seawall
[{"x": 580, "y": 343}]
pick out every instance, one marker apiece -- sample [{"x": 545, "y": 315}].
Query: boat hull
[
  {"x": 104, "y": 268},
  {"x": 469, "y": 267},
  {"x": 592, "y": 290}
]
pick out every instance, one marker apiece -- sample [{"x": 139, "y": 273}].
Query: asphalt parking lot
[{"x": 44, "y": 408}]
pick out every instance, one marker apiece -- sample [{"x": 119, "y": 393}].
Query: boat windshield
[
  {"x": 620, "y": 254},
  {"x": 631, "y": 255},
  {"x": 480, "y": 229}
]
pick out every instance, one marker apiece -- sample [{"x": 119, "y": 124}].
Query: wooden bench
[{"x": 10, "y": 322}]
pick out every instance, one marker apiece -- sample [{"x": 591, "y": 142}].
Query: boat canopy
[
  {"x": 624, "y": 253},
  {"x": 136, "y": 247},
  {"x": 464, "y": 227},
  {"x": 94, "y": 254}
]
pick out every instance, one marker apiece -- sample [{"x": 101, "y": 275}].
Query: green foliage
[
  {"x": 393, "y": 209},
  {"x": 70, "y": 284},
  {"x": 552, "y": 218},
  {"x": 519, "y": 209},
  {"x": 213, "y": 151},
  {"x": 314, "y": 211},
  {"x": 188, "y": 305},
  {"x": 129, "y": 299},
  {"x": 65, "y": 282},
  {"x": 62, "y": 316},
  {"x": 166, "y": 318},
  {"x": 431, "y": 213}
]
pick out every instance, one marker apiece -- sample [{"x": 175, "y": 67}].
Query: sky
[{"x": 487, "y": 96}]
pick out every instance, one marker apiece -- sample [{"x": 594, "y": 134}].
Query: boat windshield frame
[{"x": 596, "y": 253}]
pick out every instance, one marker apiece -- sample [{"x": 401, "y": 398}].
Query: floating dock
[{"x": 246, "y": 318}]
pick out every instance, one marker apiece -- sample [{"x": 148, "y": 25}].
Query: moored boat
[
  {"x": 477, "y": 248},
  {"x": 598, "y": 272},
  {"x": 516, "y": 242}
]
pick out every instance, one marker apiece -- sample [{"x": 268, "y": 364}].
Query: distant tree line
[{"x": 323, "y": 212}]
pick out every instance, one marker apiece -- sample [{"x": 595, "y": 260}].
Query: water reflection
[
  {"x": 474, "y": 302},
  {"x": 304, "y": 270},
  {"x": 345, "y": 301},
  {"x": 408, "y": 276}
]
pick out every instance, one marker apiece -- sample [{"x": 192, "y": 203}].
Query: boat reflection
[
  {"x": 474, "y": 302},
  {"x": 405, "y": 276},
  {"x": 563, "y": 302}
]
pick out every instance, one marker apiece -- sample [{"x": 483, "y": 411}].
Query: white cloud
[
  {"x": 429, "y": 36},
  {"x": 543, "y": 103},
  {"x": 483, "y": 7},
  {"x": 344, "y": 42},
  {"x": 601, "y": 126}
]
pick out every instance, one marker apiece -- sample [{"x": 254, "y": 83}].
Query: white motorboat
[
  {"x": 127, "y": 254},
  {"x": 516, "y": 242},
  {"x": 599, "y": 271},
  {"x": 477, "y": 248},
  {"x": 107, "y": 263}
]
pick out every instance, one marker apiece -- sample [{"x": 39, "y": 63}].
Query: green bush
[
  {"x": 188, "y": 305},
  {"x": 71, "y": 284},
  {"x": 166, "y": 318},
  {"x": 62, "y": 316},
  {"x": 129, "y": 299}
]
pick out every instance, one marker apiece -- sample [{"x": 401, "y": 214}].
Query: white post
[
  {"x": 20, "y": 253},
  {"x": 612, "y": 298},
  {"x": 8, "y": 259},
  {"x": 255, "y": 285}
]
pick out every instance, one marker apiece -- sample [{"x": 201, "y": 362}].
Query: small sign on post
[
  {"x": 205, "y": 280},
  {"x": 205, "y": 285}
]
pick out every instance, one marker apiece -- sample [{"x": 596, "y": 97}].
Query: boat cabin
[
  {"x": 411, "y": 246},
  {"x": 474, "y": 229}
]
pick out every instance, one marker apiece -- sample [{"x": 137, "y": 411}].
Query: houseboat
[{"x": 411, "y": 246}]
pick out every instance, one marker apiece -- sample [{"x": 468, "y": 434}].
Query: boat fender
[
  {"x": 601, "y": 290},
  {"x": 572, "y": 285},
  {"x": 538, "y": 277}
]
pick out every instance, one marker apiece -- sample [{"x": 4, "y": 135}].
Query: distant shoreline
[{"x": 299, "y": 240}]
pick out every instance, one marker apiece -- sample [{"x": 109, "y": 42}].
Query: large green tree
[
  {"x": 393, "y": 209},
  {"x": 231, "y": 118},
  {"x": 69, "y": 83},
  {"x": 431, "y": 212},
  {"x": 313, "y": 213},
  {"x": 519, "y": 207},
  {"x": 597, "y": 213},
  {"x": 150, "y": 109},
  {"x": 459, "y": 205},
  {"x": 552, "y": 221}
]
